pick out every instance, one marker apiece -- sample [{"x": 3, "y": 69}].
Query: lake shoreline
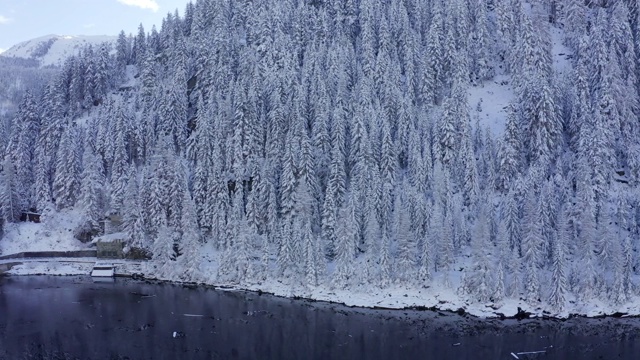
[
  {"x": 520, "y": 313},
  {"x": 157, "y": 318}
]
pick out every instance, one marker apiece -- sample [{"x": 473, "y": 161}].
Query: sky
[{"x": 22, "y": 20}]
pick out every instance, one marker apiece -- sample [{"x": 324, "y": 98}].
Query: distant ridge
[{"x": 53, "y": 49}]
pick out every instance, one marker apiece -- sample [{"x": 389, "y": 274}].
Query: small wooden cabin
[{"x": 30, "y": 216}]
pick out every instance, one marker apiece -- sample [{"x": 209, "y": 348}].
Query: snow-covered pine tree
[
  {"x": 139, "y": 46},
  {"x": 510, "y": 153},
  {"x": 21, "y": 150},
  {"x": 42, "y": 186},
  {"x": 532, "y": 246},
  {"x": 385, "y": 275},
  {"x": 478, "y": 280},
  {"x": 574, "y": 14},
  {"x": 503, "y": 254},
  {"x": 9, "y": 195},
  {"x": 201, "y": 151},
  {"x": 433, "y": 68},
  {"x": 371, "y": 234},
  {"x": 405, "y": 240},
  {"x": 123, "y": 54},
  {"x": 120, "y": 164},
  {"x": 312, "y": 259},
  {"x": 133, "y": 217},
  {"x": 162, "y": 250},
  {"x": 559, "y": 286},
  {"x": 425, "y": 272},
  {"x": 91, "y": 189},
  {"x": 66, "y": 182},
  {"x": 436, "y": 232},
  {"x": 175, "y": 185},
  {"x": 336, "y": 186},
  {"x": 480, "y": 43},
  {"x": 173, "y": 111},
  {"x": 190, "y": 244},
  {"x": 237, "y": 258},
  {"x": 287, "y": 255},
  {"x": 586, "y": 272},
  {"x": 347, "y": 235},
  {"x": 511, "y": 214},
  {"x": 155, "y": 213},
  {"x": 605, "y": 237}
]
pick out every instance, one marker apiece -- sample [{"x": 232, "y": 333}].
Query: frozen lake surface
[{"x": 46, "y": 317}]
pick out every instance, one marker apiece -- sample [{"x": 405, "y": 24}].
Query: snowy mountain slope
[
  {"x": 380, "y": 182},
  {"x": 53, "y": 49}
]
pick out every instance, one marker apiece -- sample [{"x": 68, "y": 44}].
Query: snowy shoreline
[{"x": 392, "y": 298}]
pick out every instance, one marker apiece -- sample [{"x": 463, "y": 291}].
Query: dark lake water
[{"x": 43, "y": 317}]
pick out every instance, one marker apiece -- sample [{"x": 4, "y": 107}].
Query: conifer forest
[{"x": 334, "y": 144}]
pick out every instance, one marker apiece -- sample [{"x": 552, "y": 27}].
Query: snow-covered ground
[
  {"x": 561, "y": 54},
  {"x": 70, "y": 266},
  {"x": 81, "y": 266},
  {"x": 54, "y": 233},
  {"x": 489, "y": 103}
]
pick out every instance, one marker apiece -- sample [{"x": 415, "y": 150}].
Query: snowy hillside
[
  {"x": 330, "y": 147},
  {"x": 53, "y": 49}
]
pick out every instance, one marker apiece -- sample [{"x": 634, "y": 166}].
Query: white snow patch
[
  {"x": 131, "y": 71},
  {"x": 494, "y": 96},
  {"x": 561, "y": 54}
]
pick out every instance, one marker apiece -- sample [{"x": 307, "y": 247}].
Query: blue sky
[{"x": 22, "y": 20}]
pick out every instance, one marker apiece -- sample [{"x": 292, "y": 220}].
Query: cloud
[
  {"x": 89, "y": 26},
  {"x": 143, "y": 4},
  {"x": 2, "y": 50},
  {"x": 5, "y": 20}
]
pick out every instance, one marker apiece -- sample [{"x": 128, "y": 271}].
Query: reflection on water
[{"x": 75, "y": 318}]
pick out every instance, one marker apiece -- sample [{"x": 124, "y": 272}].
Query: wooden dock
[{"x": 103, "y": 270}]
